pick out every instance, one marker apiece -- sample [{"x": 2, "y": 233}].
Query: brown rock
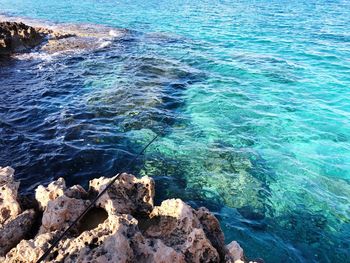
[
  {"x": 45, "y": 194},
  {"x": 9, "y": 206},
  {"x": 56, "y": 189},
  {"x": 176, "y": 224},
  {"x": 128, "y": 195},
  {"x": 235, "y": 251},
  {"x": 29, "y": 251},
  {"x": 16, "y": 37},
  {"x": 212, "y": 229},
  {"x": 172, "y": 232},
  {"x": 16, "y": 230},
  {"x": 61, "y": 212}
]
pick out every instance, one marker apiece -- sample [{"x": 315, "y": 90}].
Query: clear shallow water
[{"x": 255, "y": 99}]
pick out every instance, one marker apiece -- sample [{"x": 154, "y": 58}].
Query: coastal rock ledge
[{"x": 124, "y": 225}]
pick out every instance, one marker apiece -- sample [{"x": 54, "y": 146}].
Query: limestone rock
[
  {"x": 132, "y": 230},
  {"x": 128, "y": 194},
  {"x": 116, "y": 240},
  {"x": 16, "y": 230},
  {"x": 176, "y": 224},
  {"x": 54, "y": 35},
  {"x": 45, "y": 194},
  {"x": 16, "y": 37},
  {"x": 29, "y": 251},
  {"x": 108, "y": 242},
  {"x": 154, "y": 251},
  {"x": 76, "y": 191},
  {"x": 212, "y": 229},
  {"x": 235, "y": 251},
  {"x": 9, "y": 206},
  {"x": 56, "y": 189},
  {"x": 60, "y": 212}
]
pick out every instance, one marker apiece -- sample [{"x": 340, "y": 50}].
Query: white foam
[
  {"x": 114, "y": 33},
  {"x": 105, "y": 43},
  {"x": 36, "y": 55}
]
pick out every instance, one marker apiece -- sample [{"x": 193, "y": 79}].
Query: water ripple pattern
[{"x": 252, "y": 97}]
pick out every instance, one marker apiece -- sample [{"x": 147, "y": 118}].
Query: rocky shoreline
[
  {"x": 18, "y": 37},
  {"x": 124, "y": 225}
]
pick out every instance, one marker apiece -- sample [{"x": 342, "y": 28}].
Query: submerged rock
[{"x": 133, "y": 230}]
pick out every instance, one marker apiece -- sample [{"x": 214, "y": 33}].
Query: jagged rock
[
  {"x": 176, "y": 224},
  {"x": 235, "y": 251},
  {"x": 16, "y": 37},
  {"x": 45, "y": 194},
  {"x": 76, "y": 191},
  {"x": 16, "y": 230},
  {"x": 61, "y": 212},
  {"x": 105, "y": 243},
  {"x": 9, "y": 206},
  {"x": 128, "y": 195},
  {"x": 116, "y": 240},
  {"x": 154, "y": 251},
  {"x": 29, "y": 251},
  {"x": 54, "y": 34},
  {"x": 133, "y": 230},
  {"x": 56, "y": 189},
  {"x": 212, "y": 229}
]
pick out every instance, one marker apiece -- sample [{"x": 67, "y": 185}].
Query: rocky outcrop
[
  {"x": 15, "y": 37},
  {"x": 236, "y": 251},
  {"x": 176, "y": 225},
  {"x": 9, "y": 206},
  {"x": 14, "y": 225},
  {"x": 16, "y": 230},
  {"x": 132, "y": 230},
  {"x": 128, "y": 195},
  {"x": 18, "y": 37}
]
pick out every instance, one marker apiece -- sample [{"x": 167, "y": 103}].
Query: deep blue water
[{"x": 252, "y": 99}]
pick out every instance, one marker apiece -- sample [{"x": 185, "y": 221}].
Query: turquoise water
[{"x": 253, "y": 95}]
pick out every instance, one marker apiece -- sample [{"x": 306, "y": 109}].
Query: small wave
[
  {"x": 36, "y": 55},
  {"x": 114, "y": 33},
  {"x": 105, "y": 43}
]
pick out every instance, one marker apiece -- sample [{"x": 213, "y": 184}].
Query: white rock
[{"x": 9, "y": 206}]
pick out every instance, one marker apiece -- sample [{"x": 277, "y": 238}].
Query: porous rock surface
[
  {"x": 16, "y": 37},
  {"x": 134, "y": 230},
  {"x": 9, "y": 206}
]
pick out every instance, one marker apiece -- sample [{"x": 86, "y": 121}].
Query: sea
[{"x": 250, "y": 100}]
